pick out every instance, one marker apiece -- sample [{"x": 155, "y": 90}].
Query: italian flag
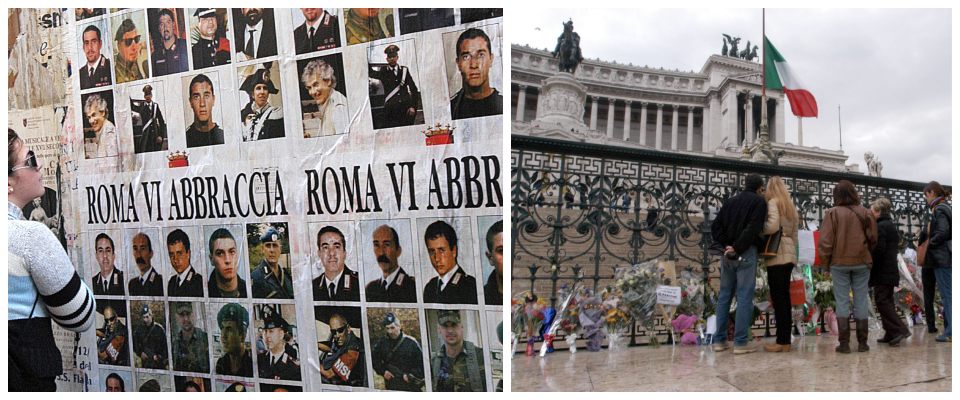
[{"x": 780, "y": 76}]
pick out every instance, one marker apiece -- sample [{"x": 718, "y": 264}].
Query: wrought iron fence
[{"x": 582, "y": 210}]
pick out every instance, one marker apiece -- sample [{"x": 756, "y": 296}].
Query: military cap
[
  {"x": 390, "y": 319},
  {"x": 270, "y": 235},
  {"x": 274, "y": 320},
  {"x": 236, "y": 387},
  {"x": 184, "y": 307},
  {"x": 205, "y": 12},
  {"x": 148, "y": 89},
  {"x": 449, "y": 317},
  {"x": 150, "y": 386},
  {"x": 391, "y": 50},
  {"x": 257, "y": 77},
  {"x": 145, "y": 309},
  {"x": 233, "y": 312}
]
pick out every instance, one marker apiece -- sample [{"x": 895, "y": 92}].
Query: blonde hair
[
  {"x": 776, "y": 189},
  {"x": 881, "y": 205}
]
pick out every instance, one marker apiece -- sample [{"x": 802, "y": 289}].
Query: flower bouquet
[
  {"x": 528, "y": 315},
  {"x": 691, "y": 308},
  {"x": 591, "y": 320},
  {"x": 761, "y": 298},
  {"x": 615, "y": 318},
  {"x": 637, "y": 286},
  {"x": 568, "y": 301}
]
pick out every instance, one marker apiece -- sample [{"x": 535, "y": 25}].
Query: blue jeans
[
  {"x": 944, "y": 275},
  {"x": 856, "y": 277},
  {"x": 738, "y": 277}
]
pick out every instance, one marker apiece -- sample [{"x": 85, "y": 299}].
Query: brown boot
[
  {"x": 843, "y": 334},
  {"x": 863, "y": 331}
]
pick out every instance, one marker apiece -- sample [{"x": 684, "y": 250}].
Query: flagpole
[
  {"x": 764, "y": 128},
  {"x": 840, "y": 127},
  {"x": 800, "y": 131}
]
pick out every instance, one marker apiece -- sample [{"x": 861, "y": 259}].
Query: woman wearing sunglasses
[{"x": 43, "y": 284}]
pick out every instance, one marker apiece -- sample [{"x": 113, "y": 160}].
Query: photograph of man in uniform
[
  {"x": 112, "y": 336},
  {"x": 149, "y": 337},
  {"x": 341, "y": 354},
  {"x": 169, "y": 54},
  {"x": 186, "y": 281},
  {"x": 452, "y": 285},
  {"x": 322, "y": 98},
  {"x": 395, "y": 285},
  {"x": 277, "y": 362},
  {"x": 458, "y": 365},
  {"x": 367, "y": 24},
  {"x": 114, "y": 383},
  {"x": 398, "y": 358},
  {"x": 211, "y": 46},
  {"x": 474, "y": 57},
  {"x": 401, "y": 98},
  {"x": 99, "y": 132},
  {"x": 84, "y": 13},
  {"x": 254, "y": 33},
  {"x": 337, "y": 282},
  {"x": 204, "y": 131},
  {"x": 148, "y": 282},
  {"x": 191, "y": 384},
  {"x": 422, "y": 19},
  {"x": 319, "y": 30},
  {"x": 225, "y": 280},
  {"x": 130, "y": 57},
  {"x": 493, "y": 289},
  {"x": 236, "y": 358},
  {"x": 271, "y": 278},
  {"x": 468, "y": 15},
  {"x": 190, "y": 348},
  {"x": 96, "y": 70},
  {"x": 149, "y": 127},
  {"x": 262, "y": 117},
  {"x": 109, "y": 281}
]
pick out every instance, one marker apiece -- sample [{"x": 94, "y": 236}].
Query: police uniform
[
  {"x": 150, "y": 341},
  {"x": 266, "y": 285},
  {"x": 347, "y": 288},
  {"x": 462, "y": 107},
  {"x": 400, "y": 91},
  {"x": 190, "y": 354},
  {"x": 491, "y": 291},
  {"x": 170, "y": 61},
  {"x": 461, "y": 289},
  {"x": 195, "y": 138},
  {"x": 402, "y": 289},
  {"x": 210, "y": 52},
  {"x": 463, "y": 373},
  {"x": 361, "y": 30},
  {"x": 112, "y": 285},
  {"x": 192, "y": 285},
  {"x": 284, "y": 367},
  {"x": 400, "y": 356},
  {"x": 326, "y": 35},
  {"x": 267, "y": 122},
  {"x": 266, "y": 46},
  {"x": 151, "y": 285},
  {"x": 98, "y": 77},
  {"x": 154, "y": 126},
  {"x": 235, "y": 312},
  {"x": 214, "y": 291},
  {"x": 346, "y": 362}
]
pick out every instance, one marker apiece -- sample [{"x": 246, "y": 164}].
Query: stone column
[
  {"x": 748, "y": 119},
  {"x": 659, "y": 139},
  {"x": 689, "y": 128},
  {"x": 643, "y": 123},
  {"x": 673, "y": 127},
  {"x": 626, "y": 121},
  {"x": 593, "y": 112},
  {"x": 611, "y": 108},
  {"x": 521, "y": 102}
]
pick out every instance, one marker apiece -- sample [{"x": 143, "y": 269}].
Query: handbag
[
  {"x": 922, "y": 248},
  {"x": 772, "y": 244}
]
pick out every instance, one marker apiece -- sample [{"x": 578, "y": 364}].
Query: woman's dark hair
[
  {"x": 937, "y": 189},
  {"x": 13, "y": 147},
  {"x": 845, "y": 194}
]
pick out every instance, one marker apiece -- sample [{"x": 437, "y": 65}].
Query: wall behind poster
[{"x": 240, "y": 134}]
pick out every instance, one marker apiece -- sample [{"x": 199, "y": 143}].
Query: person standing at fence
[
  {"x": 737, "y": 228},
  {"x": 781, "y": 215},
  {"x": 885, "y": 275},
  {"x": 43, "y": 283},
  {"x": 939, "y": 254},
  {"x": 847, "y": 235}
]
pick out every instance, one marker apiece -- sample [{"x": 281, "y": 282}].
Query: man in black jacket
[
  {"x": 397, "y": 357},
  {"x": 737, "y": 228},
  {"x": 255, "y": 35}
]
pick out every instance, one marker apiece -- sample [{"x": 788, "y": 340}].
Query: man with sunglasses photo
[
  {"x": 341, "y": 356},
  {"x": 474, "y": 58},
  {"x": 129, "y": 66}
]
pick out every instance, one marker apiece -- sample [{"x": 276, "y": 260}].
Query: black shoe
[
  {"x": 896, "y": 340},
  {"x": 885, "y": 339},
  {"x": 931, "y": 329}
]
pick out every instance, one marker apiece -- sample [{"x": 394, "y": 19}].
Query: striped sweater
[{"x": 38, "y": 266}]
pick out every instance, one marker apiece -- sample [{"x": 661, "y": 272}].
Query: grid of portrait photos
[{"x": 408, "y": 301}]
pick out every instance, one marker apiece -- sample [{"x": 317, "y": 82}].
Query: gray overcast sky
[{"x": 889, "y": 70}]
